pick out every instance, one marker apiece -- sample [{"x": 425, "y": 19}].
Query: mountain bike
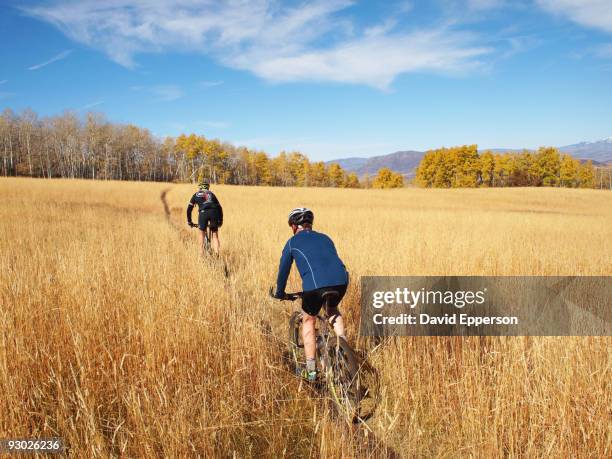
[{"x": 351, "y": 382}]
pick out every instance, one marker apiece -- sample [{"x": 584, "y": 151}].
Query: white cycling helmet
[{"x": 300, "y": 215}]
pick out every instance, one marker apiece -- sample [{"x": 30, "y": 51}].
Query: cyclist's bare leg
[
  {"x": 336, "y": 321},
  {"x": 202, "y": 247},
  {"x": 338, "y": 325},
  {"x": 309, "y": 335},
  {"x": 216, "y": 245}
]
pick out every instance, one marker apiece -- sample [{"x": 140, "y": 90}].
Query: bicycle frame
[
  {"x": 323, "y": 332},
  {"x": 342, "y": 369},
  {"x": 207, "y": 236}
]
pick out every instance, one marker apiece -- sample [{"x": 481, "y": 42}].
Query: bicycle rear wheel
[
  {"x": 352, "y": 382},
  {"x": 207, "y": 239}
]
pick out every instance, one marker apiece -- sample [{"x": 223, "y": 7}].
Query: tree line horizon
[
  {"x": 465, "y": 167},
  {"x": 91, "y": 147}
]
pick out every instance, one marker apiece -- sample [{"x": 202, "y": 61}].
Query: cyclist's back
[
  {"x": 316, "y": 259},
  {"x": 322, "y": 272},
  {"x": 204, "y": 199}
]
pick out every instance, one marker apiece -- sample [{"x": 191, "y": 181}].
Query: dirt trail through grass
[{"x": 273, "y": 328}]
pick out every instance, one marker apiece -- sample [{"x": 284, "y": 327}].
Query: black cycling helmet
[
  {"x": 204, "y": 184},
  {"x": 300, "y": 216}
]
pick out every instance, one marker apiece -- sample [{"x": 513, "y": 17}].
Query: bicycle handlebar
[
  {"x": 288, "y": 296},
  {"x": 195, "y": 225}
]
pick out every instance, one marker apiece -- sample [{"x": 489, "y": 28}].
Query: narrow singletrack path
[
  {"x": 165, "y": 202},
  {"x": 368, "y": 444},
  {"x": 183, "y": 233}
]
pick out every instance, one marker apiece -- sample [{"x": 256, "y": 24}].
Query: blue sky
[{"x": 330, "y": 78}]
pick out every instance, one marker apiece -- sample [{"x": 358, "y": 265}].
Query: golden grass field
[{"x": 116, "y": 336}]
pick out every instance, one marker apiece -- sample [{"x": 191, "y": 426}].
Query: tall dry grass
[{"x": 117, "y": 337}]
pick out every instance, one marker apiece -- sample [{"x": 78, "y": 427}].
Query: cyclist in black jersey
[{"x": 210, "y": 214}]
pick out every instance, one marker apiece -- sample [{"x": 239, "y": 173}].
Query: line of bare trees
[{"x": 70, "y": 146}]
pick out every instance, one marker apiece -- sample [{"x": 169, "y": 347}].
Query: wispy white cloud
[
  {"x": 3, "y": 81},
  {"x": 211, "y": 83},
  {"x": 375, "y": 60},
  {"x": 58, "y": 57},
  {"x": 91, "y": 105},
  {"x": 590, "y": 13},
  {"x": 310, "y": 41},
  {"x": 162, "y": 92},
  {"x": 518, "y": 44},
  {"x": 604, "y": 51}
]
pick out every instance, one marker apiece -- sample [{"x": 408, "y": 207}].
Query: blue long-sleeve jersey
[{"x": 316, "y": 259}]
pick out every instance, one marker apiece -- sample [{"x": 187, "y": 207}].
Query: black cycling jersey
[{"x": 205, "y": 200}]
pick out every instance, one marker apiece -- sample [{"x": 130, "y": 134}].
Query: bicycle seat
[{"x": 330, "y": 294}]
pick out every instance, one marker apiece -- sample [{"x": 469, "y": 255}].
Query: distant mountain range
[
  {"x": 600, "y": 150},
  {"x": 400, "y": 161},
  {"x": 405, "y": 162}
]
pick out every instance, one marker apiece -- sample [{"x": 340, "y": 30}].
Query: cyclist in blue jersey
[{"x": 321, "y": 270}]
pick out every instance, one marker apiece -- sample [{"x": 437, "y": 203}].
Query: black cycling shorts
[
  {"x": 312, "y": 301},
  {"x": 210, "y": 216}
]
